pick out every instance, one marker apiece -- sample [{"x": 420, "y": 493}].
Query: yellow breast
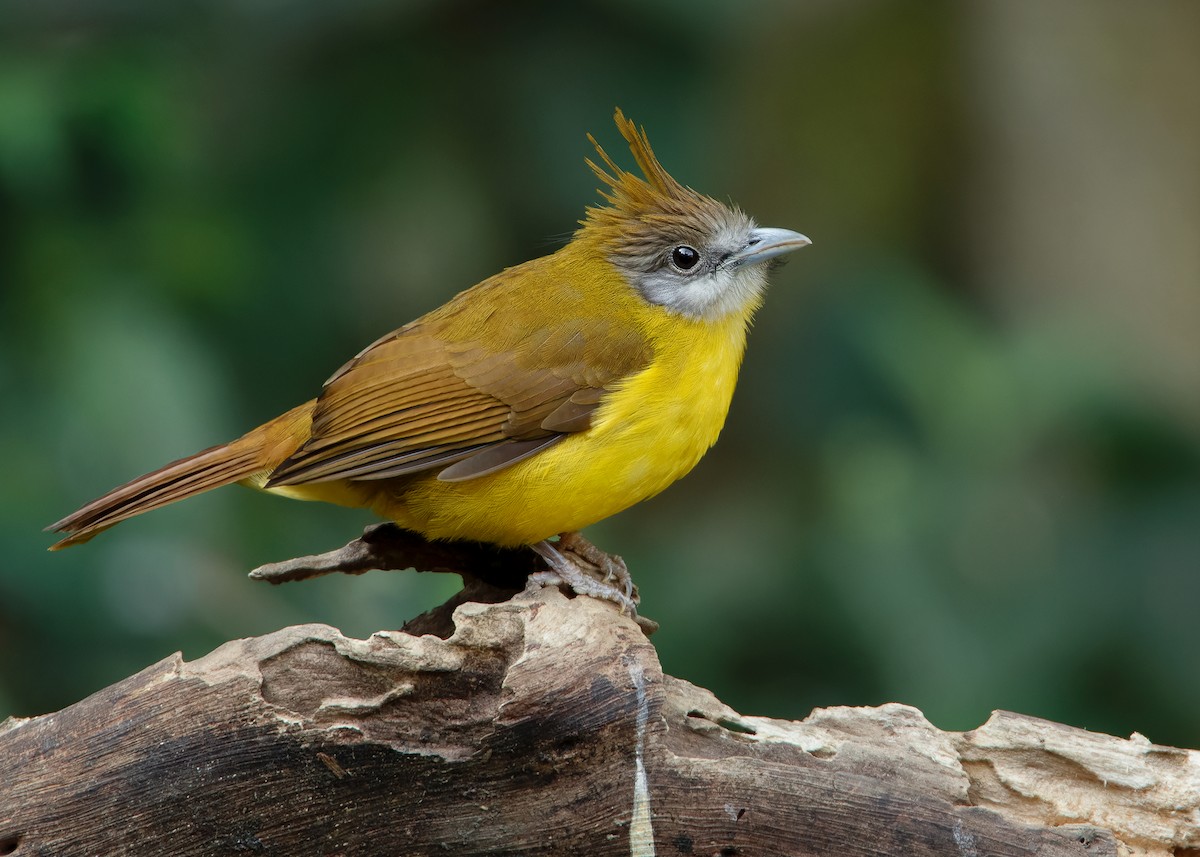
[{"x": 648, "y": 433}]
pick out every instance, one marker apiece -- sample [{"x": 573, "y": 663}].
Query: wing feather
[
  {"x": 496, "y": 457},
  {"x": 382, "y": 427},
  {"x": 431, "y": 396}
]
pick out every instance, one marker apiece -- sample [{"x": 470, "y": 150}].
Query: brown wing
[{"x": 416, "y": 401}]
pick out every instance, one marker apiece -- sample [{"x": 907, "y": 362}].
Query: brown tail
[{"x": 258, "y": 451}]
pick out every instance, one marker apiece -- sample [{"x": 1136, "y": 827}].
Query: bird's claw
[{"x": 576, "y": 562}]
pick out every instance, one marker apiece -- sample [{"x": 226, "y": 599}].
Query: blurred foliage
[{"x": 963, "y": 467}]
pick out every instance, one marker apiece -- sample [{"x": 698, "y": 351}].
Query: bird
[{"x": 547, "y": 397}]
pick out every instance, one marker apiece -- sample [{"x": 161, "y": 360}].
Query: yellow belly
[{"x": 647, "y": 434}]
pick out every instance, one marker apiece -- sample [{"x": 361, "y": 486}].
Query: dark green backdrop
[{"x": 961, "y": 470}]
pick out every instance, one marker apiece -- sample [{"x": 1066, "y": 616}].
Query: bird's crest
[{"x": 657, "y": 200}]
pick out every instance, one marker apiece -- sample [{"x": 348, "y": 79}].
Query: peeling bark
[{"x": 544, "y": 725}]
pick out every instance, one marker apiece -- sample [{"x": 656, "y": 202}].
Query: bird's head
[{"x": 679, "y": 249}]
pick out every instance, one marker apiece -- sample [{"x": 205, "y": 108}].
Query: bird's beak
[{"x": 766, "y": 243}]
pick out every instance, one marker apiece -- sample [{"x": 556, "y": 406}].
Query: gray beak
[{"x": 766, "y": 243}]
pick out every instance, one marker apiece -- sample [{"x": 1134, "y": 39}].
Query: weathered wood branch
[
  {"x": 495, "y": 573},
  {"x": 544, "y": 725}
]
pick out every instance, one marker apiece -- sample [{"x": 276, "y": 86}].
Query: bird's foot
[
  {"x": 579, "y": 565},
  {"x": 614, "y": 568}
]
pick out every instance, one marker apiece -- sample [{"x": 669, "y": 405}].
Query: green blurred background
[{"x": 962, "y": 470}]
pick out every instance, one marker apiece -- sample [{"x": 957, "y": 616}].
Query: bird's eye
[{"x": 684, "y": 257}]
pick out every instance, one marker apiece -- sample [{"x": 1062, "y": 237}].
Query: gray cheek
[
  {"x": 703, "y": 296},
  {"x": 661, "y": 288}
]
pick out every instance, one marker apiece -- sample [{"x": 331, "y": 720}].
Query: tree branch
[
  {"x": 490, "y": 574},
  {"x": 387, "y": 547},
  {"x": 544, "y": 725}
]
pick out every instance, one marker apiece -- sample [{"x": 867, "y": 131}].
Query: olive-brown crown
[{"x": 642, "y": 212}]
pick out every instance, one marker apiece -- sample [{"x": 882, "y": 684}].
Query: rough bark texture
[{"x": 544, "y": 725}]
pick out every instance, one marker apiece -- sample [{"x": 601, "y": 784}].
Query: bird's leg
[
  {"x": 569, "y": 571},
  {"x": 613, "y": 566}
]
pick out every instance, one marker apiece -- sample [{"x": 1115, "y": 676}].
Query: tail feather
[
  {"x": 186, "y": 477},
  {"x": 260, "y": 450}
]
